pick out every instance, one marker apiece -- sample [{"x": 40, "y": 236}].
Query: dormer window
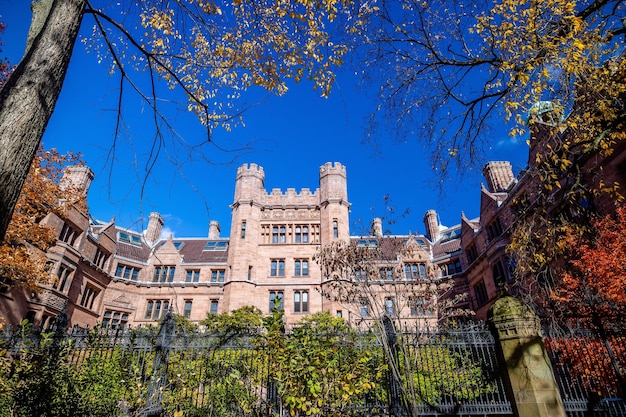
[
  {"x": 216, "y": 245},
  {"x": 126, "y": 237}
]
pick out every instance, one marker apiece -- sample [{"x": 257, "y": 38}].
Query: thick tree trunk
[{"x": 29, "y": 96}]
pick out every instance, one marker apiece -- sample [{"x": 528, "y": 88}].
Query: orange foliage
[
  {"x": 593, "y": 283},
  {"x": 22, "y": 253},
  {"x": 587, "y": 362}
]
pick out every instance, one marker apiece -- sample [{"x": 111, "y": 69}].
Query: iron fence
[
  {"x": 451, "y": 371},
  {"x": 162, "y": 371},
  {"x": 589, "y": 368}
]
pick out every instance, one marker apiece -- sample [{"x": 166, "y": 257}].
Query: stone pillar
[{"x": 532, "y": 387}]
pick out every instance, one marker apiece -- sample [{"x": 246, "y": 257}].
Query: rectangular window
[
  {"x": 164, "y": 274},
  {"x": 127, "y": 272},
  {"x": 363, "y": 308},
  {"x": 187, "y": 310},
  {"x": 279, "y": 234},
  {"x": 335, "y": 229},
  {"x": 101, "y": 258},
  {"x": 386, "y": 273},
  {"x": 302, "y": 234},
  {"x": 217, "y": 275},
  {"x": 114, "y": 319},
  {"x": 249, "y": 272},
  {"x": 149, "y": 308},
  {"x": 472, "y": 254},
  {"x": 193, "y": 275},
  {"x": 243, "y": 229},
  {"x": 214, "y": 245},
  {"x": 301, "y": 267},
  {"x": 389, "y": 308},
  {"x": 411, "y": 271},
  {"x": 480, "y": 293},
  {"x": 494, "y": 229},
  {"x": 89, "y": 297},
  {"x": 214, "y": 305},
  {"x": 68, "y": 234},
  {"x": 63, "y": 281},
  {"x": 276, "y": 300},
  {"x": 125, "y": 237},
  {"x": 360, "y": 275},
  {"x": 156, "y": 309},
  {"x": 416, "y": 306},
  {"x": 277, "y": 268},
  {"x": 499, "y": 274},
  {"x": 300, "y": 301}
]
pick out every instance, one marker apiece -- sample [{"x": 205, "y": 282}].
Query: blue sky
[{"x": 290, "y": 136}]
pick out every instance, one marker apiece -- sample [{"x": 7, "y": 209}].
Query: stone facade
[
  {"x": 116, "y": 276},
  {"x": 110, "y": 274}
]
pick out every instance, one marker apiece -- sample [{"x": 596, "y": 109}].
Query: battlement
[
  {"x": 252, "y": 169},
  {"x": 330, "y": 168},
  {"x": 291, "y": 197}
]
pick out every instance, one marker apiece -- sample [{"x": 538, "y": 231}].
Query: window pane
[
  {"x": 149, "y": 309},
  {"x": 296, "y": 302},
  {"x": 305, "y": 301}
]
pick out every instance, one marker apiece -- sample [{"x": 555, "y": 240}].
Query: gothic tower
[
  {"x": 245, "y": 225},
  {"x": 334, "y": 205}
]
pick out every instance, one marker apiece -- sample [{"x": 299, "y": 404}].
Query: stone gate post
[{"x": 531, "y": 384}]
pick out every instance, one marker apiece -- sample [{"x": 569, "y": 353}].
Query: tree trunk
[{"x": 30, "y": 94}]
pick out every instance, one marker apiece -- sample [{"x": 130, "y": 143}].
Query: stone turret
[
  {"x": 155, "y": 226},
  {"x": 499, "y": 176},
  {"x": 333, "y": 183},
  {"x": 250, "y": 184},
  {"x": 431, "y": 222},
  {"x": 334, "y": 205}
]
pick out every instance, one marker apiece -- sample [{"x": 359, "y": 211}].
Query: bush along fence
[{"x": 319, "y": 368}]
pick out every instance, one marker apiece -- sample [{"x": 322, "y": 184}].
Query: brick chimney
[
  {"x": 432, "y": 225},
  {"x": 499, "y": 176}
]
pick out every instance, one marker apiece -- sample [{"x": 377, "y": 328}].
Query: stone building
[
  {"x": 108, "y": 274},
  {"x": 112, "y": 275}
]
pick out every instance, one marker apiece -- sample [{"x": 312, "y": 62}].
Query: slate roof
[
  {"x": 193, "y": 250},
  {"x": 441, "y": 249}
]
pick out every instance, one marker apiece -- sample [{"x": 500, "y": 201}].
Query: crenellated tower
[
  {"x": 245, "y": 228},
  {"x": 249, "y": 184},
  {"x": 334, "y": 205}
]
